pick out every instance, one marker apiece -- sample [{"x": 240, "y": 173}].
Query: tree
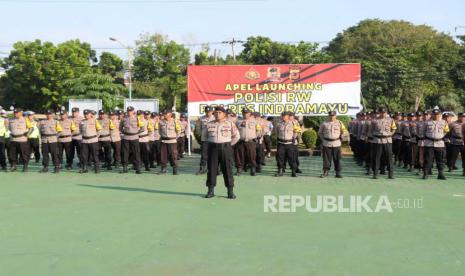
[
  {"x": 159, "y": 61},
  {"x": 110, "y": 63},
  {"x": 35, "y": 72},
  {"x": 95, "y": 86},
  {"x": 404, "y": 66},
  {"x": 262, "y": 50}
]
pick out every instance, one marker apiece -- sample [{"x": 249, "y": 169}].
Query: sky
[{"x": 202, "y": 21}]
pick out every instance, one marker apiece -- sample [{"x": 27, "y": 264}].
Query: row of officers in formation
[
  {"x": 413, "y": 140},
  {"x": 144, "y": 139}
]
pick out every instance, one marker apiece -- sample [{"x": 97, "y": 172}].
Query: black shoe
[
  {"x": 238, "y": 172},
  {"x": 147, "y": 169},
  {"x": 83, "y": 170},
  {"x": 109, "y": 168},
  {"x": 279, "y": 173},
  {"x": 450, "y": 169},
  {"x": 44, "y": 170},
  {"x": 368, "y": 172},
  {"x": 441, "y": 176},
  {"x": 338, "y": 175},
  {"x": 252, "y": 172},
  {"x": 201, "y": 171},
  {"x": 298, "y": 170},
  {"x": 175, "y": 171},
  {"x": 325, "y": 174},
  {"x": 56, "y": 170},
  {"x": 231, "y": 194},
  {"x": 391, "y": 175},
  {"x": 259, "y": 169},
  {"x": 430, "y": 172},
  {"x": 97, "y": 169},
  {"x": 210, "y": 193},
  {"x": 125, "y": 169},
  {"x": 375, "y": 176},
  {"x": 138, "y": 171},
  {"x": 293, "y": 173},
  {"x": 163, "y": 170},
  {"x": 454, "y": 167},
  {"x": 382, "y": 172}
]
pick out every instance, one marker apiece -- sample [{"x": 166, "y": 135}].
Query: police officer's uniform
[
  {"x": 457, "y": 134},
  {"x": 382, "y": 130},
  {"x": 156, "y": 144},
  {"x": 201, "y": 125},
  {"x": 330, "y": 133},
  {"x": 221, "y": 135},
  {"x": 130, "y": 127},
  {"x": 19, "y": 128},
  {"x": 49, "y": 130},
  {"x": 144, "y": 138},
  {"x": 182, "y": 136},
  {"x": 76, "y": 137},
  {"x": 285, "y": 131},
  {"x": 246, "y": 151},
  {"x": 115, "y": 136},
  {"x": 3, "y": 130},
  {"x": 434, "y": 131},
  {"x": 169, "y": 129},
  {"x": 65, "y": 139},
  {"x": 33, "y": 137}
]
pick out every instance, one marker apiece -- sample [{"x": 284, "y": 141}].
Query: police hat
[
  {"x": 256, "y": 114},
  {"x": 411, "y": 114},
  {"x": 130, "y": 108},
  {"x": 29, "y": 113},
  {"x": 285, "y": 113},
  {"x": 17, "y": 110},
  {"x": 220, "y": 108},
  {"x": 154, "y": 114},
  {"x": 160, "y": 113},
  {"x": 87, "y": 111},
  {"x": 75, "y": 109},
  {"x": 397, "y": 113},
  {"x": 419, "y": 113},
  {"x": 332, "y": 113},
  {"x": 246, "y": 110},
  {"x": 208, "y": 108},
  {"x": 183, "y": 115},
  {"x": 93, "y": 112},
  {"x": 112, "y": 113},
  {"x": 447, "y": 114},
  {"x": 382, "y": 109},
  {"x": 147, "y": 113},
  {"x": 63, "y": 112},
  {"x": 101, "y": 112},
  {"x": 118, "y": 112},
  {"x": 140, "y": 112},
  {"x": 49, "y": 111},
  {"x": 168, "y": 110},
  {"x": 436, "y": 112},
  {"x": 291, "y": 113},
  {"x": 461, "y": 114}
]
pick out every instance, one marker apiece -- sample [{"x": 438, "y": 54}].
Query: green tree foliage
[
  {"x": 95, "y": 86},
  {"x": 204, "y": 57},
  {"x": 309, "y": 138},
  {"x": 161, "y": 66},
  {"x": 262, "y": 50},
  {"x": 110, "y": 64},
  {"x": 36, "y": 71},
  {"x": 404, "y": 66}
]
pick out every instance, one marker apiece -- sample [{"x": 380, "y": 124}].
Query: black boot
[
  {"x": 109, "y": 168},
  {"x": 338, "y": 175},
  {"x": 125, "y": 169},
  {"x": 163, "y": 170},
  {"x": 201, "y": 170},
  {"x": 375, "y": 176},
  {"x": 425, "y": 174},
  {"x": 175, "y": 170},
  {"x": 231, "y": 194},
  {"x": 259, "y": 168},
  {"x": 325, "y": 174},
  {"x": 83, "y": 170},
  {"x": 391, "y": 175},
  {"x": 147, "y": 168},
  {"x": 279, "y": 173},
  {"x": 137, "y": 168},
  {"x": 238, "y": 172},
  {"x": 210, "y": 192},
  {"x": 293, "y": 173},
  {"x": 56, "y": 170},
  {"x": 441, "y": 175},
  {"x": 97, "y": 169},
  {"x": 252, "y": 171},
  {"x": 298, "y": 170},
  {"x": 25, "y": 167}
]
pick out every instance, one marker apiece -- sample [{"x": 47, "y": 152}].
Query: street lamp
[{"x": 130, "y": 64}]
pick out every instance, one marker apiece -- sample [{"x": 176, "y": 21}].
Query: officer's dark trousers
[
  {"x": 267, "y": 141},
  {"x": 397, "y": 149},
  {"x": 181, "y": 141},
  {"x": 203, "y": 153},
  {"x": 145, "y": 154},
  {"x": 331, "y": 154},
  {"x": 260, "y": 154},
  {"x": 50, "y": 150},
  {"x": 105, "y": 152},
  {"x": 19, "y": 148},
  {"x": 220, "y": 154},
  {"x": 432, "y": 153},
  {"x": 67, "y": 148},
  {"x": 415, "y": 162},
  {"x": 407, "y": 153},
  {"x": 246, "y": 154},
  {"x": 155, "y": 151},
  {"x": 284, "y": 152},
  {"x": 35, "y": 147},
  {"x": 76, "y": 149},
  {"x": 131, "y": 146},
  {"x": 456, "y": 149},
  {"x": 116, "y": 146},
  {"x": 88, "y": 151},
  {"x": 169, "y": 152},
  {"x": 383, "y": 153},
  {"x": 449, "y": 148},
  {"x": 2, "y": 153}
]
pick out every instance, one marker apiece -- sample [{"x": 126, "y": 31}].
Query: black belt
[
  {"x": 130, "y": 134},
  {"x": 143, "y": 136},
  {"x": 285, "y": 141},
  {"x": 167, "y": 138},
  {"x": 457, "y": 137},
  {"x": 89, "y": 137},
  {"x": 74, "y": 135},
  {"x": 328, "y": 139},
  {"x": 103, "y": 136},
  {"x": 48, "y": 135},
  {"x": 383, "y": 136},
  {"x": 64, "y": 136},
  {"x": 435, "y": 140},
  {"x": 17, "y": 136},
  {"x": 220, "y": 144}
]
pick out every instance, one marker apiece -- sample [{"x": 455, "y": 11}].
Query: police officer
[
  {"x": 104, "y": 139},
  {"x": 201, "y": 125},
  {"x": 156, "y": 145},
  {"x": 221, "y": 135},
  {"x": 3, "y": 130},
  {"x": 182, "y": 136},
  {"x": 382, "y": 130},
  {"x": 260, "y": 145},
  {"x": 76, "y": 137},
  {"x": 130, "y": 127},
  {"x": 407, "y": 136},
  {"x": 169, "y": 129},
  {"x": 65, "y": 139},
  {"x": 33, "y": 136},
  {"x": 397, "y": 138},
  {"x": 115, "y": 136},
  {"x": 457, "y": 134},
  {"x": 285, "y": 131},
  {"x": 19, "y": 128},
  {"x": 295, "y": 143},
  {"x": 89, "y": 129},
  {"x": 330, "y": 133},
  {"x": 249, "y": 130},
  {"x": 49, "y": 130},
  {"x": 144, "y": 138},
  {"x": 447, "y": 116},
  {"x": 434, "y": 131}
]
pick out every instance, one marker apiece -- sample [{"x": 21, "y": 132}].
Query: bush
[
  {"x": 314, "y": 122},
  {"x": 274, "y": 140},
  {"x": 309, "y": 138}
]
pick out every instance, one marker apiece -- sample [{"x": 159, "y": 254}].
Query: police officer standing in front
[
  {"x": 246, "y": 153},
  {"x": 89, "y": 129},
  {"x": 19, "y": 128},
  {"x": 330, "y": 133},
  {"x": 130, "y": 127},
  {"x": 49, "y": 130},
  {"x": 202, "y": 124},
  {"x": 382, "y": 129},
  {"x": 222, "y": 134},
  {"x": 285, "y": 131},
  {"x": 434, "y": 131},
  {"x": 169, "y": 130},
  {"x": 65, "y": 139}
]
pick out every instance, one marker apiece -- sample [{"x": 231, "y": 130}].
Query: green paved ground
[{"x": 109, "y": 224}]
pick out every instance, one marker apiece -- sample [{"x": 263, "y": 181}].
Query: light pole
[{"x": 130, "y": 64}]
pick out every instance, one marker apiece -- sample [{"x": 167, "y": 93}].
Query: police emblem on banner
[
  {"x": 252, "y": 74},
  {"x": 274, "y": 74},
  {"x": 294, "y": 72}
]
